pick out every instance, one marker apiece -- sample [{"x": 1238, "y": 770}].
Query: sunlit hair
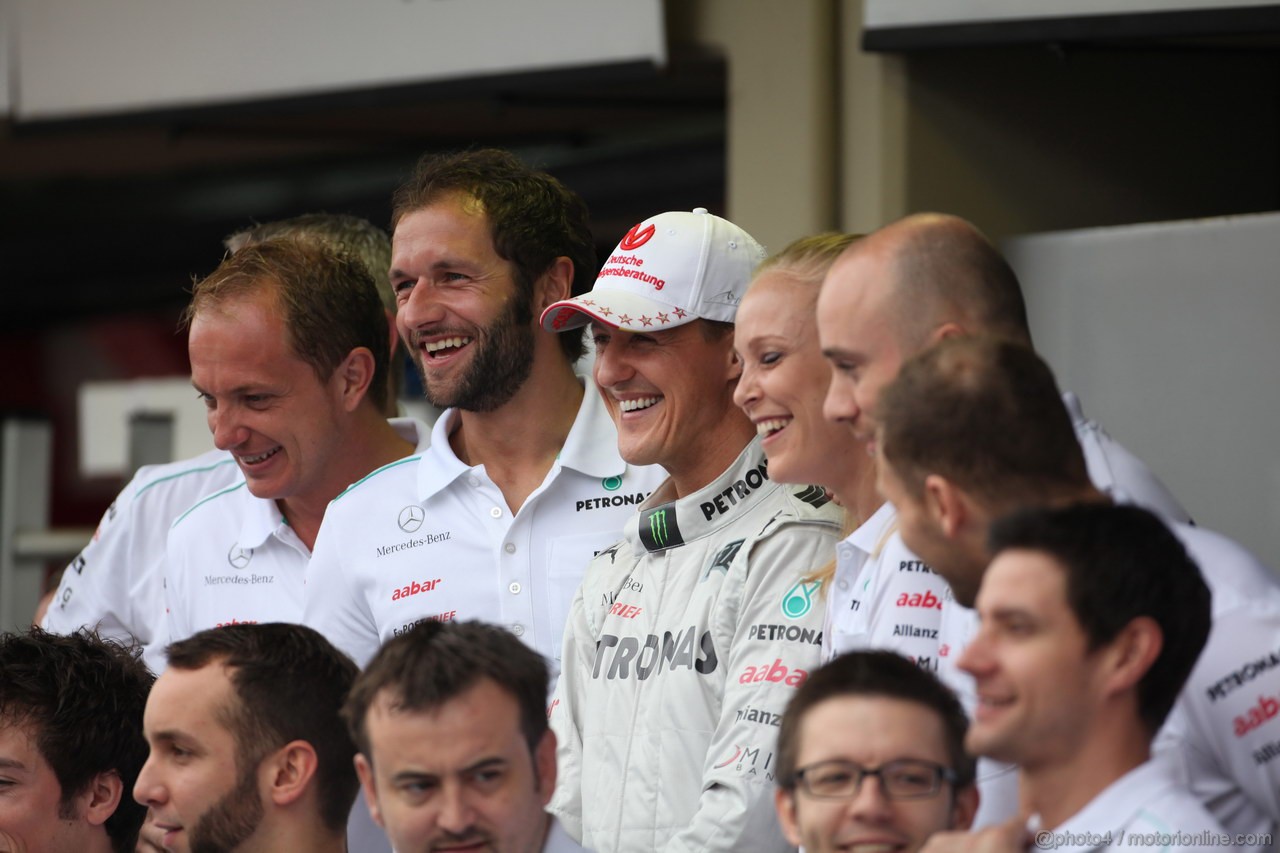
[
  {"x": 808, "y": 259},
  {"x": 329, "y": 303}
]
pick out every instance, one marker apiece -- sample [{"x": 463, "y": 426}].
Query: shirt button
[
  {"x": 496, "y": 512},
  {"x": 843, "y": 584},
  {"x": 518, "y": 630},
  {"x": 473, "y": 480},
  {"x": 515, "y": 587},
  {"x": 510, "y": 547}
]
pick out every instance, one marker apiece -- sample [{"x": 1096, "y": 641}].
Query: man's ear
[
  {"x": 943, "y": 332},
  {"x": 553, "y": 285},
  {"x": 946, "y": 504},
  {"x": 287, "y": 773},
  {"x": 544, "y": 764},
  {"x": 735, "y": 364},
  {"x": 1131, "y": 654},
  {"x": 353, "y": 376},
  {"x": 101, "y": 797},
  {"x": 364, "y": 770},
  {"x": 964, "y": 806},
  {"x": 784, "y": 802}
]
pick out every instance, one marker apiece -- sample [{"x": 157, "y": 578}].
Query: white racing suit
[{"x": 684, "y": 645}]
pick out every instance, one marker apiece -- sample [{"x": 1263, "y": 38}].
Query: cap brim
[{"x": 617, "y": 309}]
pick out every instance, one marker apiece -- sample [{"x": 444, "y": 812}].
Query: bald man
[{"x": 891, "y": 295}]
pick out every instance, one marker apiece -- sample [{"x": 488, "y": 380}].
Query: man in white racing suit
[{"x": 689, "y": 636}]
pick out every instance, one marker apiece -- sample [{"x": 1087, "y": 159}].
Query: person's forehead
[
  {"x": 872, "y": 729},
  {"x": 1025, "y": 579},
  {"x": 483, "y": 717},
  {"x": 194, "y": 701}
]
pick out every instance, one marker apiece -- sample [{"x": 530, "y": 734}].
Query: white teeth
[
  {"x": 771, "y": 426},
  {"x": 436, "y": 346},
  {"x": 254, "y": 460},
  {"x": 637, "y": 405}
]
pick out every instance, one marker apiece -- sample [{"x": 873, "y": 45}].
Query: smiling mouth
[
  {"x": 444, "y": 346},
  {"x": 871, "y": 846},
  {"x": 261, "y": 457},
  {"x": 637, "y": 404},
  {"x": 768, "y": 427}
]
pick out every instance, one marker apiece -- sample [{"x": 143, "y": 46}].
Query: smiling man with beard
[
  {"x": 248, "y": 751},
  {"x": 523, "y": 482}
]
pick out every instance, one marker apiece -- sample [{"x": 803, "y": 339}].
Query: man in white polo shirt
[
  {"x": 523, "y": 482},
  {"x": 1092, "y": 618},
  {"x": 892, "y": 294},
  {"x": 289, "y": 351},
  {"x": 690, "y": 633},
  {"x": 1007, "y": 443},
  {"x": 116, "y": 584}
]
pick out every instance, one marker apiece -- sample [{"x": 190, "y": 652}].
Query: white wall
[{"x": 1167, "y": 331}]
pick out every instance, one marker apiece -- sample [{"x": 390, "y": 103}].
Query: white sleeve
[
  {"x": 176, "y": 595},
  {"x": 1224, "y": 733},
  {"x": 577, "y": 658},
  {"x": 332, "y": 602},
  {"x": 114, "y": 584},
  {"x": 735, "y": 807}
]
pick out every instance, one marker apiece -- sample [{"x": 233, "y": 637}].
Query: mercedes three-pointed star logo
[
  {"x": 411, "y": 518},
  {"x": 239, "y": 557}
]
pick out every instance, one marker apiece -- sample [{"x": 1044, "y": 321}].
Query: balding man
[{"x": 890, "y": 295}]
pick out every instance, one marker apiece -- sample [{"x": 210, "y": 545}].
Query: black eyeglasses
[{"x": 904, "y": 779}]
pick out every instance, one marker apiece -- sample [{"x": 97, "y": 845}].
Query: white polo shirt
[
  {"x": 430, "y": 537},
  {"x": 116, "y": 584},
  {"x": 1145, "y": 809},
  {"x": 233, "y": 558},
  {"x": 884, "y": 596},
  {"x": 1222, "y": 740}
]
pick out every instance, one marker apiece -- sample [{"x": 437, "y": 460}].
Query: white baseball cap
[{"x": 668, "y": 270}]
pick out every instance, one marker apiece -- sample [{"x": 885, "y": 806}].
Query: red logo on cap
[{"x": 635, "y": 238}]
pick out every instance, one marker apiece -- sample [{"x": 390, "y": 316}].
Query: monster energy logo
[
  {"x": 799, "y": 599},
  {"x": 659, "y": 528}
]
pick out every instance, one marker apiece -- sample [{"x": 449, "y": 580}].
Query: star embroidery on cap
[
  {"x": 588, "y": 302},
  {"x": 646, "y": 320},
  {"x": 605, "y": 311},
  {"x": 664, "y": 318},
  {"x": 623, "y": 318},
  {"x": 681, "y": 313}
]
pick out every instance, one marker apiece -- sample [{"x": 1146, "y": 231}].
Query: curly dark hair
[
  {"x": 533, "y": 218},
  {"x": 82, "y": 699}
]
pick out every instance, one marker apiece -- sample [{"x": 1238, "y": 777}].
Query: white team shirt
[
  {"x": 234, "y": 559},
  {"x": 1145, "y": 809},
  {"x": 1222, "y": 740},
  {"x": 430, "y": 537},
  {"x": 116, "y": 584},
  {"x": 884, "y": 597}
]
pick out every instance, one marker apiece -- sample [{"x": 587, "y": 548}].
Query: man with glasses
[{"x": 873, "y": 714}]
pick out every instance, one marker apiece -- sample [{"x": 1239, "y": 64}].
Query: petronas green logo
[
  {"x": 799, "y": 599},
  {"x": 611, "y": 484}
]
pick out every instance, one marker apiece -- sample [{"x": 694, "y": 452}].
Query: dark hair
[
  {"x": 435, "y": 662},
  {"x": 82, "y": 698},
  {"x": 290, "y": 682},
  {"x": 533, "y": 218},
  {"x": 1122, "y": 563},
  {"x": 987, "y": 415},
  {"x": 946, "y": 261},
  {"x": 328, "y": 299},
  {"x": 875, "y": 674}
]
